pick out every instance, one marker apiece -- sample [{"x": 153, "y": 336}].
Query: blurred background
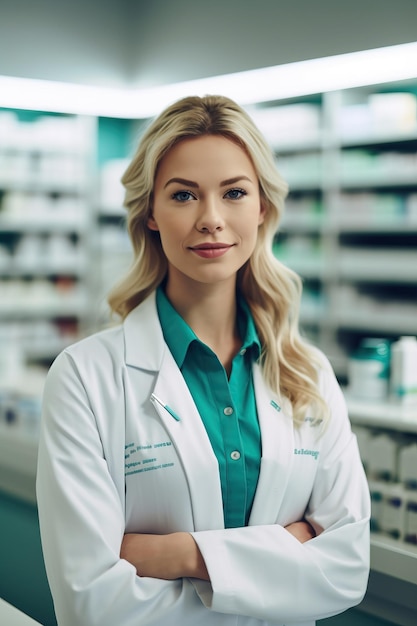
[{"x": 346, "y": 142}]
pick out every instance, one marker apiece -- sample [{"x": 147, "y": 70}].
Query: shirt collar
[
  {"x": 176, "y": 331},
  {"x": 178, "y": 334},
  {"x": 247, "y": 328}
]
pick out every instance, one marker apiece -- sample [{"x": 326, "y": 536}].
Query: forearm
[
  {"x": 266, "y": 558},
  {"x": 177, "y": 555},
  {"x": 168, "y": 557},
  {"x": 303, "y": 531}
]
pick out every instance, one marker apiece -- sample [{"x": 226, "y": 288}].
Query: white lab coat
[{"x": 99, "y": 421}]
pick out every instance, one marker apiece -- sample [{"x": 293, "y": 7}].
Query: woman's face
[{"x": 207, "y": 209}]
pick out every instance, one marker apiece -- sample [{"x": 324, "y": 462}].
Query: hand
[
  {"x": 303, "y": 531},
  {"x": 167, "y": 557}
]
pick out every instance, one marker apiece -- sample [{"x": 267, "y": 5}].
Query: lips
[
  {"x": 210, "y": 246},
  {"x": 210, "y": 250}
]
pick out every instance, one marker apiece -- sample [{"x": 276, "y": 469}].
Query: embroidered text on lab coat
[
  {"x": 137, "y": 465},
  {"x": 313, "y": 453}
]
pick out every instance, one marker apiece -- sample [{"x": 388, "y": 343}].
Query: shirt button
[
  {"x": 235, "y": 455},
  {"x": 242, "y": 352},
  {"x": 228, "y": 410}
]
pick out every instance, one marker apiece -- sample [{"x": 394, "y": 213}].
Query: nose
[{"x": 210, "y": 218}]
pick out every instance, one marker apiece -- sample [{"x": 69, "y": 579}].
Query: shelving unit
[
  {"x": 350, "y": 228},
  {"x": 46, "y": 175},
  {"x": 394, "y": 559},
  {"x": 391, "y": 589},
  {"x": 113, "y": 245},
  {"x": 117, "y": 139},
  {"x": 18, "y": 459}
]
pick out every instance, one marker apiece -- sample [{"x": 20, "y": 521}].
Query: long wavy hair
[{"x": 273, "y": 291}]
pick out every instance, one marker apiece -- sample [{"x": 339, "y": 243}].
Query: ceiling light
[{"x": 291, "y": 80}]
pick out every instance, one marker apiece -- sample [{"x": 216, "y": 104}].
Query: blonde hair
[{"x": 272, "y": 291}]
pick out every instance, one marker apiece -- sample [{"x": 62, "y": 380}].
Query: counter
[{"x": 11, "y": 616}]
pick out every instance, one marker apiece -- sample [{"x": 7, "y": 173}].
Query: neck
[{"x": 210, "y": 310}]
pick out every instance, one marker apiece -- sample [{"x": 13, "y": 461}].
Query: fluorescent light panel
[{"x": 343, "y": 71}]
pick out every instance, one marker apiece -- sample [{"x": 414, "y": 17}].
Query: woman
[{"x": 196, "y": 463}]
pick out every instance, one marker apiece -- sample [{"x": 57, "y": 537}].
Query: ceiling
[{"x": 147, "y": 43}]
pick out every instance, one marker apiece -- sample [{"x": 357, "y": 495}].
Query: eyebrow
[
  {"x": 193, "y": 184},
  {"x": 181, "y": 181}
]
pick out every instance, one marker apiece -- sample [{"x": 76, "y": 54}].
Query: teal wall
[
  {"x": 31, "y": 116},
  {"x": 114, "y": 137},
  {"x": 117, "y": 138},
  {"x": 23, "y": 580}
]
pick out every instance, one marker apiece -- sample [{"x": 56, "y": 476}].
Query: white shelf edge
[
  {"x": 380, "y": 181},
  {"x": 44, "y": 270},
  {"x": 112, "y": 211},
  {"x": 313, "y": 145},
  {"x": 394, "y": 558},
  {"x": 52, "y": 225},
  {"x": 397, "y": 226},
  {"x": 374, "y": 320},
  {"x": 382, "y": 414},
  {"x": 376, "y": 138},
  {"x": 70, "y": 189},
  {"x": 28, "y": 311},
  {"x": 406, "y": 274}
]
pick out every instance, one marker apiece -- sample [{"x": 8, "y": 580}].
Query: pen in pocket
[{"x": 154, "y": 398}]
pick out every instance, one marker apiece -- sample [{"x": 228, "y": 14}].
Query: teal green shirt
[{"x": 227, "y": 406}]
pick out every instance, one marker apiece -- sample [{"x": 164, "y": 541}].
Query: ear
[{"x": 151, "y": 223}]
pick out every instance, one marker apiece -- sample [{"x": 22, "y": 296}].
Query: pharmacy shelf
[
  {"x": 302, "y": 224},
  {"x": 112, "y": 212},
  {"x": 376, "y": 139},
  {"x": 376, "y": 320},
  {"x": 77, "y": 270},
  {"x": 31, "y": 311},
  {"x": 53, "y": 224},
  {"x": 301, "y": 145},
  {"x": 390, "y": 557},
  {"x": 18, "y": 460},
  {"x": 365, "y": 185},
  {"x": 380, "y": 180},
  {"x": 49, "y": 350},
  {"x": 307, "y": 267},
  {"x": 47, "y": 186},
  {"x": 11, "y": 616},
  {"x": 298, "y": 184},
  {"x": 392, "y": 226},
  {"x": 394, "y": 558},
  {"x": 388, "y": 415},
  {"x": 366, "y": 271}
]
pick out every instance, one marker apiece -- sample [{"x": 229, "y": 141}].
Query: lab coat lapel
[
  {"x": 277, "y": 453},
  {"x": 193, "y": 446},
  {"x": 145, "y": 349}
]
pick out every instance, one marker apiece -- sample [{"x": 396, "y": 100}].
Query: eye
[
  {"x": 235, "y": 194},
  {"x": 183, "y": 196}
]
